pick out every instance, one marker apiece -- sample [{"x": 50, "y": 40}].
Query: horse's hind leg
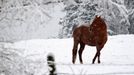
[
  {"x": 82, "y": 46},
  {"x": 74, "y": 51}
]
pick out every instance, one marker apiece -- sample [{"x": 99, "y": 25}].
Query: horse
[{"x": 95, "y": 34}]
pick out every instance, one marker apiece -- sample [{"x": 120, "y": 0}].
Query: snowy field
[{"x": 117, "y": 57}]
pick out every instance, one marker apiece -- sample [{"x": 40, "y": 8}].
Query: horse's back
[
  {"x": 83, "y": 35},
  {"x": 79, "y": 31},
  {"x": 91, "y": 34}
]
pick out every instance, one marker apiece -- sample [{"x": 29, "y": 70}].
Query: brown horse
[{"x": 92, "y": 35}]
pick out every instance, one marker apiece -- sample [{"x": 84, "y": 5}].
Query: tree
[
  {"x": 114, "y": 12},
  {"x": 130, "y": 6},
  {"x": 116, "y": 16},
  {"x": 22, "y": 19},
  {"x": 78, "y": 13}
]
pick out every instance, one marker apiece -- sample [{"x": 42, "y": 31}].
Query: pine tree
[
  {"x": 118, "y": 15},
  {"x": 130, "y": 6},
  {"x": 77, "y": 14}
]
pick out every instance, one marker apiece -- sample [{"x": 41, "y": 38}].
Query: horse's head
[
  {"x": 98, "y": 23},
  {"x": 97, "y": 19}
]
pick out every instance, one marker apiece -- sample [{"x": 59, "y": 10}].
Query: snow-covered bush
[{"x": 13, "y": 62}]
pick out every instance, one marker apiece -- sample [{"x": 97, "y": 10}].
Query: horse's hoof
[
  {"x": 99, "y": 62},
  {"x": 73, "y": 62},
  {"x": 92, "y": 62},
  {"x": 81, "y": 62}
]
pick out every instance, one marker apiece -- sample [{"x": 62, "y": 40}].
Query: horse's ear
[
  {"x": 99, "y": 17},
  {"x": 96, "y": 16}
]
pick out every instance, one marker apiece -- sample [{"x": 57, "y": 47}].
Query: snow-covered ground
[{"x": 117, "y": 57}]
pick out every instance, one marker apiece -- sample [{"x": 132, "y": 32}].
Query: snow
[{"x": 116, "y": 56}]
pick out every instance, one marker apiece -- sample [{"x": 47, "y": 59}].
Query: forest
[{"x": 44, "y": 19}]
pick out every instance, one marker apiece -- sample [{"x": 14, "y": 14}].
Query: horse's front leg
[{"x": 97, "y": 54}]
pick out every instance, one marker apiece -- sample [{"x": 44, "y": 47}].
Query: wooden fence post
[{"x": 51, "y": 64}]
